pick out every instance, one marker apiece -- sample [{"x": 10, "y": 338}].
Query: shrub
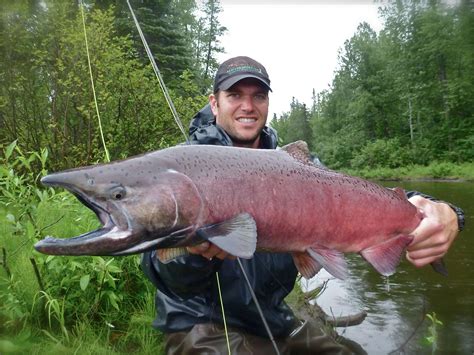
[{"x": 382, "y": 153}]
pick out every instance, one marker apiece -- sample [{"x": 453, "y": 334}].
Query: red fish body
[{"x": 178, "y": 196}]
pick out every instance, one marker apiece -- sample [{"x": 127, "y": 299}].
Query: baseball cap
[{"x": 235, "y": 69}]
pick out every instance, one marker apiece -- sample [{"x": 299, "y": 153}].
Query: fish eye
[{"x": 117, "y": 193}]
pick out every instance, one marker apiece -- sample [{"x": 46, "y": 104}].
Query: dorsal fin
[
  {"x": 400, "y": 192},
  {"x": 300, "y": 151}
]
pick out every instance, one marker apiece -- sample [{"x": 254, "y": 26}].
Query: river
[{"x": 396, "y": 305}]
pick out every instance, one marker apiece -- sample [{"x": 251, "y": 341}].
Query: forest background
[
  {"x": 401, "y": 97},
  {"x": 401, "y": 100}
]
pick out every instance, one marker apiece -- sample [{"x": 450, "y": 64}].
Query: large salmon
[{"x": 239, "y": 199}]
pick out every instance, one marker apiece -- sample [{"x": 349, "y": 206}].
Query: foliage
[
  {"x": 432, "y": 338},
  {"x": 435, "y": 170},
  {"x": 401, "y": 96},
  {"x": 86, "y": 304},
  {"x": 206, "y": 32},
  {"x": 56, "y": 295},
  {"x": 45, "y": 92},
  {"x": 293, "y": 125},
  {"x": 388, "y": 153}
]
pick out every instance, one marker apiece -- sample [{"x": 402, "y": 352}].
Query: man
[{"x": 188, "y": 306}]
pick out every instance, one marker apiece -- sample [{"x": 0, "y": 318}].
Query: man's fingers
[
  {"x": 199, "y": 249},
  {"x": 209, "y": 251},
  {"x": 423, "y": 261},
  {"x": 434, "y": 252},
  {"x": 424, "y": 234},
  {"x": 225, "y": 255}
]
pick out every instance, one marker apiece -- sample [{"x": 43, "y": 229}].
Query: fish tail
[{"x": 440, "y": 267}]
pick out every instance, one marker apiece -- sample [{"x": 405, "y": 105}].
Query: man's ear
[{"x": 213, "y": 103}]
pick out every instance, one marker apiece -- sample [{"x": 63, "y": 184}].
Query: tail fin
[{"x": 440, "y": 267}]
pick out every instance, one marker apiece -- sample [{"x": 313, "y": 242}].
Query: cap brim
[{"x": 227, "y": 84}]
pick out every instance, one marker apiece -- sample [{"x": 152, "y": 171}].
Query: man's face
[{"x": 242, "y": 111}]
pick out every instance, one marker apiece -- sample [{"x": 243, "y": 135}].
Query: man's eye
[{"x": 261, "y": 97}]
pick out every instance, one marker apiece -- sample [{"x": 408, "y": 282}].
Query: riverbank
[{"x": 443, "y": 171}]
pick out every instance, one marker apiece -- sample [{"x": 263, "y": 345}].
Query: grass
[
  {"x": 30, "y": 323},
  {"x": 63, "y": 305},
  {"x": 434, "y": 171}
]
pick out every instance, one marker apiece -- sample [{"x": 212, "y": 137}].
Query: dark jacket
[{"x": 187, "y": 287}]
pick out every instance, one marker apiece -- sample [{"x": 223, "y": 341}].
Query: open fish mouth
[
  {"x": 106, "y": 240},
  {"x": 112, "y": 238},
  {"x": 102, "y": 214}
]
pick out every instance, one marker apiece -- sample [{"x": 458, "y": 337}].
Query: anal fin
[
  {"x": 332, "y": 260},
  {"x": 306, "y": 265},
  {"x": 385, "y": 256}
]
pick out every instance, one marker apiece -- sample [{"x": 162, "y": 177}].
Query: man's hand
[
  {"x": 435, "y": 234},
  {"x": 210, "y": 251}
]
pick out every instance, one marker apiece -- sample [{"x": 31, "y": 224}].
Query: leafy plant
[
  {"x": 442, "y": 169},
  {"x": 51, "y": 293},
  {"x": 431, "y": 338}
]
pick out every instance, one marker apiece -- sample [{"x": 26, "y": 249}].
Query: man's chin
[{"x": 247, "y": 142}]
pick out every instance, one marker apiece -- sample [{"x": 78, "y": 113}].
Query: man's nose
[{"x": 247, "y": 104}]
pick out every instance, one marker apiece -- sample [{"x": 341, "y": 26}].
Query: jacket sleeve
[
  {"x": 181, "y": 278},
  {"x": 416, "y": 193}
]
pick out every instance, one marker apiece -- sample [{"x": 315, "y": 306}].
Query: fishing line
[
  {"x": 223, "y": 313},
  {"x": 107, "y": 157},
  {"x": 158, "y": 75},
  {"x": 258, "y": 258},
  {"x": 254, "y": 297}
]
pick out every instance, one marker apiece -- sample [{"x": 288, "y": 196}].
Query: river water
[{"x": 396, "y": 305}]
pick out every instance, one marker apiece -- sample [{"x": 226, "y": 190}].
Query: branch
[
  {"x": 345, "y": 321},
  {"x": 37, "y": 273}
]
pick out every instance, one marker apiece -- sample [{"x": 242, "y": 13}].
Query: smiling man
[
  {"x": 188, "y": 302},
  {"x": 240, "y": 100}
]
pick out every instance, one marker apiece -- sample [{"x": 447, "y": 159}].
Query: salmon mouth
[
  {"x": 118, "y": 234},
  {"x": 106, "y": 240}
]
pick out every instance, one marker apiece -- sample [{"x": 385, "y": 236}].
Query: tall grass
[{"x": 52, "y": 304}]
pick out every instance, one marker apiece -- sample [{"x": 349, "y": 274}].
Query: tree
[
  {"x": 294, "y": 125},
  {"x": 51, "y": 103},
  {"x": 207, "y": 31},
  {"x": 408, "y": 85}
]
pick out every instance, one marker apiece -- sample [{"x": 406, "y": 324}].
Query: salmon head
[{"x": 142, "y": 203}]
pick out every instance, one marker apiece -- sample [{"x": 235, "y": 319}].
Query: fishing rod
[{"x": 178, "y": 122}]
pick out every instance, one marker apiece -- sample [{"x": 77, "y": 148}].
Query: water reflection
[{"x": 396, "y": 306}]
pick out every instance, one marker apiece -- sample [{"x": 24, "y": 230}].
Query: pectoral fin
[
  {"x": 385, "y": 256},
  {"x": 237, "y": 236}
]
